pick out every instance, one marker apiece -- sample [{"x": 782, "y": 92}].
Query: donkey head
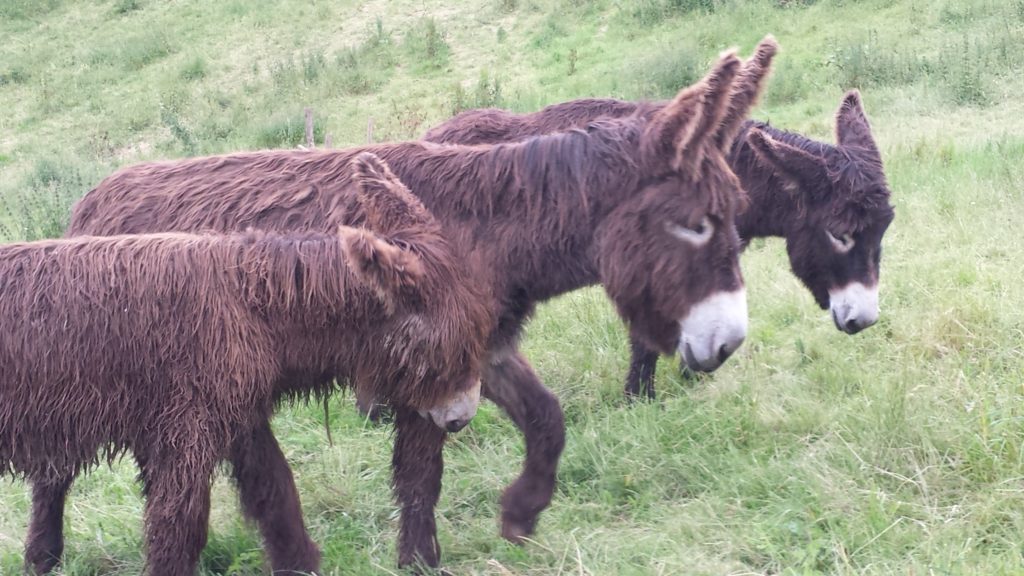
[
  {"x": 431, "y": 344},
  {"x": 669, "y": 255},
  {"x": 837, "y": 248}
]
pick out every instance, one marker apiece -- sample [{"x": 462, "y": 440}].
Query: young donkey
[
  {"x": 830, "y": 203},
  {"x": 175, "y": 347},
  {"x": 645, "y": 205}
]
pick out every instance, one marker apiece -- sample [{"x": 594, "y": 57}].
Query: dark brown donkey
[
  {"x": 830, "y": 203},
  {"x": 174, "y": 346},
  {"x": 645, "y": 205}
]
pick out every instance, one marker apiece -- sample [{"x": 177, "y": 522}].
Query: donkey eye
[
  {"x": 696, "y": 235},
  {"x": 842, "y": 244}
]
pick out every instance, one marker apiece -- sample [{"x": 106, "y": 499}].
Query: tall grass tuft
[
  {"x": 663, "y": 73},
  {"x": 962, "y": 71},
  {"x": 360, "y": 69},
  {"x": 14, "y": 74},
  {"x": 133, "y": 53},
  {"x": 426, "y": 46},
  {"x": 122, "y": 7},
  {"x": 194, "y": 69},
  {"x": 486, "y": 93},
  {"x": 28, "y": 9},
  {"x": 866, "y": 62},
  {"x": 651, "y": 12},
  {"x": 41, "y": 206},
  {"x": 286, "y": 131}
]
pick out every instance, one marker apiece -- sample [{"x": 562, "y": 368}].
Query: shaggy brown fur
[
  {"x": 534, "y": 219},
  {"x": 798, "y": 189},
  {"x": 175, "y": 347}
]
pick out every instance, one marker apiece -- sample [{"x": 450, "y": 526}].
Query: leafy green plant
[
  {"x": 40, "y": 207},
  {"x": 426, "y": 46},
  {"x": 486, "y": 93},
  {"x": 122, "y": 7},
  {"x": 194, "y": 69}
]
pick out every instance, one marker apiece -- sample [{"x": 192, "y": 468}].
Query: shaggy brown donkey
[
  {"x": 830, "y": 203},
  {"x": 175, "y": 347},
  {"x": 644, "y": 205}
]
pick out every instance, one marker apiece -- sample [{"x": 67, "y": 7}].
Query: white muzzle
[
  {"x": 713, "y": 329},
  {"x": 454, "y": 415},
  {"x": 854, "y": 307}
]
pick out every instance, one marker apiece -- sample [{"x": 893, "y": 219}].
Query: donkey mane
[
  {"x": 528, "y": 179},
  {"x": 573, "y": 161}
]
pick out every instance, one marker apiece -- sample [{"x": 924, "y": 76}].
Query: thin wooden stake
[{"x": 309, "y": 129}]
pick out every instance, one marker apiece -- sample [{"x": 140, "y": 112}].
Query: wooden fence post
[{"x": 309, "y": 128}]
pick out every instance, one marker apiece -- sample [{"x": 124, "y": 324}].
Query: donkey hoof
[
  {"x": 515, "y": 532},
  {"x": 40, "y": 567}
]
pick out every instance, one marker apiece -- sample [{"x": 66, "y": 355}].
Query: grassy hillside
[{"x": 896, "y": 451}]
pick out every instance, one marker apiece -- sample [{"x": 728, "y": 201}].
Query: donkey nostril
[
  {"x": 724, "y": 352},
  {"x": 455, "y": 425},
  {"x": 853, "y": 326}
]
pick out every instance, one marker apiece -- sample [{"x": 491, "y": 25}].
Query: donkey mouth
[
  {"x": 709, "y": 365},
  {"x": 692, "y": 363}
]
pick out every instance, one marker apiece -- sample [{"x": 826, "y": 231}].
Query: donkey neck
[
  {"x": 530, "y": 207},
  {"x": 774, "y": 203}
]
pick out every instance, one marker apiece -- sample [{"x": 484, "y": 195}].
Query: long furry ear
[
  {"x": 676, "y": 134},
  {"x": 746, "y": 90},
  {"x": 852, "y": 128},
  {"x": 387, "y": 202},
  {"x": 717, "y": 88},
  {"x": 388, "y": 270},
  {"x": 793, "y": 164}
]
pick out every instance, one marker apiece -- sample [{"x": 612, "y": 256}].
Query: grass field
[{"x": 896, "y": 451}]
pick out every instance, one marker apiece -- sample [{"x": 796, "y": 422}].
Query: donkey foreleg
[
  {"x": 642, "y": 363},
  {"x": 268, "y": 496},
  {"x": 45, "y": 542},
  {"x": 417, "y": 466},
  {"x": 511, "y": 384},
  {"x": 177, "y": 509}
]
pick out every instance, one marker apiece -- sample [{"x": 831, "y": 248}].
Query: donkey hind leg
[
  {"x": 417, "y": 466},
  {"x": 642, "y": 363},
  {"x": 45, "y": 542},
  {"x": 268, "y": 496},
  {"x": 511, "y": 384},
  {"x": 177, "y": 511}
]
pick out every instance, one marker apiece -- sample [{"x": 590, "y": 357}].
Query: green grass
[{"x": 896, "y": 451}]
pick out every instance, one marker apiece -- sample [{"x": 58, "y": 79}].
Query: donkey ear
[
  {"x": 680, "y": 131},
  {"x": 717, "y": 94},
  {"x": 793, "y": 164},
  {"x": 387, "y": 269},
  {"x": 387, "y": 202},
  {"x": 746, "y": 90},
  {"x": 852, "y": 128}
]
